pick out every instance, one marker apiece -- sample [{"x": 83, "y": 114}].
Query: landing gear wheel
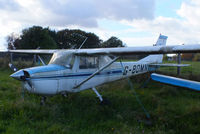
[
  {"x": 65, "y": 95},
  {"x": 43, "y": 100}
]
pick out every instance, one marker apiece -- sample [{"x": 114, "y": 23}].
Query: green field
[{"x": 173, "y": 110}]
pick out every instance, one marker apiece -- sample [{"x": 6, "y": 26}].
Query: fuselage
[{"x": 58, "y": 78}]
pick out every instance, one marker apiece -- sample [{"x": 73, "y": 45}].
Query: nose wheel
[
  {"x": 43, "y": 100},
  {"x": 64, "y": 94}
]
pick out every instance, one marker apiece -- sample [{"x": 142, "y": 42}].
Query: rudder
[{"x": 162, "y": 40}]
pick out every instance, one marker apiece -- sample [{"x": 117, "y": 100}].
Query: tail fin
[
  {"x": 159, "y": 57},
  {"x": 161, "y": 40}
]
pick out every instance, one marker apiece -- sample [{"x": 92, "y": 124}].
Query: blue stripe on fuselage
[{"x": 81, "y": 75}]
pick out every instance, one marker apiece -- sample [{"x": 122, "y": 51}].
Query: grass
[{"x": 173, "y": 110}]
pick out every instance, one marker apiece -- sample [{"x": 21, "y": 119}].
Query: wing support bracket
[{"x": 95, "y": 73}]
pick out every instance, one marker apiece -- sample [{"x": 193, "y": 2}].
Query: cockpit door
[{"x": 86, "y": 66}]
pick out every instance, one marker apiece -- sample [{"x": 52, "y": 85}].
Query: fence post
[
  {"x": 11, "y": 57},
  {"x": 34, "y": 59},
  {"x": 179, "y": 62}
]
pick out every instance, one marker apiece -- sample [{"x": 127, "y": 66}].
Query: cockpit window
[
  {"x": 63, "y": 59},
  {"x": 87, "y": 62},
  {"x": 71, "y": 63}
]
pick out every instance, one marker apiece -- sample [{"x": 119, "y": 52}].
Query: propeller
[
  {"x": 14, "y": 69},
  {"x": 23, "y": 76},
  {"x": 26, "y": 78}
]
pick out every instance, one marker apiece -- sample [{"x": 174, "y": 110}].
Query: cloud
[
  {"x": 19, "y": 14},
  {"x": 190, "y": 12},
  {"x": 75, "y": 12},
  {"x": 9, "y": 5},
  {"x": 183, "y": 29},
  {"x": 87, "y": 12}
]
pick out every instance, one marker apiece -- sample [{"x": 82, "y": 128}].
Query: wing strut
[
  {"x": 97, "y": 93},
  {"x": 41, "y": 60},
  {"x": 95, "y": 73}
]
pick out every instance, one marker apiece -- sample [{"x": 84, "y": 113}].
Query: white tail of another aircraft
[{"x": 159, "y": 57}]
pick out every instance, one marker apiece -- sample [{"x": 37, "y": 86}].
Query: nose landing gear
[{"x": 43, "y": 100}]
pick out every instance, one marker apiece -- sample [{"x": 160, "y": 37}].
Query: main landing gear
[{"x": 102, "y": 101}]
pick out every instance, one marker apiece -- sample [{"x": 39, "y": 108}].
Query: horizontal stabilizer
[
  {"x": 176, "y": 81},
  {"x": 170, "y": 65}
]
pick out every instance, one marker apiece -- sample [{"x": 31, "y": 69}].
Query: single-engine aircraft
[{"x": 75, "y": 70}]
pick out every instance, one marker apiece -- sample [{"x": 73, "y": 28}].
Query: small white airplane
[{"x": 71, "y": 71}]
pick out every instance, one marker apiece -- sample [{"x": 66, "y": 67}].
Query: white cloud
[
  {"x": 84, "y": 14},
  {"x": 190, "y": 12},
  {"x": 19, "y": 14},
  {"x": 87, "y": 12},
  {"x": 77, "y": 12},
  {"x": 185, "y": 29}
]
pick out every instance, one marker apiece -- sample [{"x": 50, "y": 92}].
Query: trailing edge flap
[
  {"x": 170, "y": 65},
  {"x": 176, "y": 81}
]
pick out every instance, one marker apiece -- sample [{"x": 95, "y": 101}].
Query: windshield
[{"x": 62, "y": 58}]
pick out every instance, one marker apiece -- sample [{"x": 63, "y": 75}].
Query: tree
[
  {"x": 93, "y": 41},
  {"x": 74, "y": 38},
  {"x": 11, "y": 40},
  {"x": 112, "y": 42},
  {"x": 64, "y": 39},
  {"x": 35, "y": 37}
]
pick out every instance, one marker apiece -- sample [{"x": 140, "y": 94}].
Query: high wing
[
  {"x": 33, "y": 51},
  {"x": 141, "y": 50},
  {"x": 117, "y": 51}
]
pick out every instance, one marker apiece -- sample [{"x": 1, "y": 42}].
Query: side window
[
  {"x": 87, "y": 62},
  {"x": 71, "y": 62}
]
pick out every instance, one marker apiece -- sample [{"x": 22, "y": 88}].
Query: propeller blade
[
  {"x": 12, "y": 67},
  {"x": 26, "y": 80}
]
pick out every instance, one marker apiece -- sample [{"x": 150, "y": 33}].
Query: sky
[{"x": 135, "y": 22}]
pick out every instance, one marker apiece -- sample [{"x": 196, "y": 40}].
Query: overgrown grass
[{"x": 173, "y": 110}]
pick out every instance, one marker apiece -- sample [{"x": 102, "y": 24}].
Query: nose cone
[{"x": 17, "y": 75}]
